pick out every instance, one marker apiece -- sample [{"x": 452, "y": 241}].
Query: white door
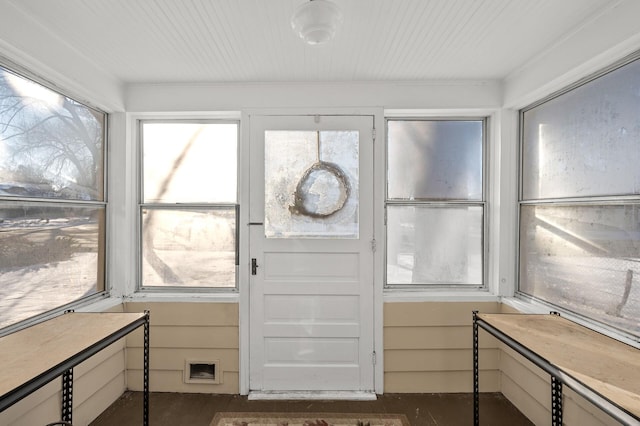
[{"x": 311, "y": 232}]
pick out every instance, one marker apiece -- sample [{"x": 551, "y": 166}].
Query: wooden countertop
[
  {"x": 609, "y": 367},
  {"x": 33, "y": 351}
]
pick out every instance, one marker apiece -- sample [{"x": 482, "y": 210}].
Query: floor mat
[{"x": 308, "y": 419}]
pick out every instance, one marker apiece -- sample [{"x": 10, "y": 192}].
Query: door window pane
[
  {"x": 311, "y": 184},
  {"x": 189, "y": 247},
  {"x": 434, "y": 245},
  {"x": 585, "y": 142},
  {"x": 434, "y": 160},
  {"x": 49, "y": 256},
  {"x": 585, "y": 259},
  {"x": 190, "y": 162},
  {"x": 50, "y": 146}
]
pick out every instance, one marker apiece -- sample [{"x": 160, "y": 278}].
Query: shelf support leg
[
  {"x": 67, "y": 395},
  {"x": 556, "y": 401},
  {"x": 145, "y": 374},
  {"x": 476, "y": 385}
]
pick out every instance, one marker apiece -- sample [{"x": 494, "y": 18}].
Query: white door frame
[{"x": 378, "y": 221}]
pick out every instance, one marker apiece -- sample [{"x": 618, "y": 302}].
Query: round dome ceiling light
[{"x": 316, "y": 21}]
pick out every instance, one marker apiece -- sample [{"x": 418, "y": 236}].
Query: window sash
[
  {"x": 179, "y": 205},
  {"x": 63, "y": 156},
  {"x": 442, "y": 202},
  {"x": 578, "y": 242},
  {"x": 210, "y": 168},
  {"x": 466, "y": 269},
  {"x": 396, "y": 183},
  {"x": 583, "y": 142},
  {"x": 176, "y": 267},
  {"x": 64, "y": 215}
]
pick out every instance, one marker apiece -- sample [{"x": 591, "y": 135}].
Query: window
[
  {"x": 580, "y": 199},
  {"x": 189, "y": 209},
  {"x": 435, "y": 203},
  {"x": 52, "y": 202}
]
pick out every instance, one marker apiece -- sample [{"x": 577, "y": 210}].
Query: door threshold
[{"x": 312, "y": 395}]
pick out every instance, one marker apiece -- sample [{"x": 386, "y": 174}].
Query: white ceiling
[{"x": 140, "y": 41}]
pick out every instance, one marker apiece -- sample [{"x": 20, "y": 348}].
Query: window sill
[
  {"x": 439, "y": 295},
  {"x": 142, "y": 296},
  {"x": 100, "y": 305}
]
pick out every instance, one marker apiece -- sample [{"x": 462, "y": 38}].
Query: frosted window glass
[
  {"x": 435, "y": 160},
  {"x": 585, "y": 259},
  {"x": 190, "y": 162},
  {"x": 311, "y": 184},
  {"x": 434, "y": 245},
  {"x": 189, "y": 247},
  {"x": 585, "y": 142}
]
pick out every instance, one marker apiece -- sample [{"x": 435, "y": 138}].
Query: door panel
[
  {"x": 292, "y": 266},
  {"x": 311, "y": 316}
]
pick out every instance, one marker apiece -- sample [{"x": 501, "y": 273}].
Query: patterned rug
[{"x": 308, "y": 419}]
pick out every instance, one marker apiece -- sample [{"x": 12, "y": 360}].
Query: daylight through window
[
  {"x": 189, "y": 209},
  {"x": 435, "y": 203},
  {"x": 580, "y": 200},
  {"x": 52, "y": 203}
]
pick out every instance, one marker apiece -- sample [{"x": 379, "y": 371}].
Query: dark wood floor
[{"x": 421, "y": 409}]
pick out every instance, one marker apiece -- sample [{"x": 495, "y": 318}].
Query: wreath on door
[
  {"x": 307, "y": 199},
  {"x": 322, "y": 191}
]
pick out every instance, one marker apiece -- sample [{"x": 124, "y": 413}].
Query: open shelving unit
[
  {"x": 32, "y": 357},
  {"x": 603, "y": 370}
]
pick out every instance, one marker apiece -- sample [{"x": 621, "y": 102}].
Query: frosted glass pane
[
  {"x": 50, "y": 146},
  {"x": 311, "y": 184},
  {"x": 434, "y": 245},
  {"x": 435, "y": 160},
  {"x": 585, "y": 142},
  {"x": 190, "y": 248},
  {"x": 190, "y": 162},
  {"x": 49, "y": 256},
  {"x": 585, "y": 259}
]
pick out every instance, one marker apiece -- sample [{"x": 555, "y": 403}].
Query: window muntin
[
  {"x": 435, "y": 203},
  {"x": 189, "y": 209},
  {"x": 580, "y": 199},
  {"x": 52, "y": 199}
]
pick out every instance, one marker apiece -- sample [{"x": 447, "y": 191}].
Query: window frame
[
  {"x": 568, "y": 201},
  {"x": 103, "y": 286},
  {"x": 482, "y": 203},
  {"x": 141, "y": 205}
]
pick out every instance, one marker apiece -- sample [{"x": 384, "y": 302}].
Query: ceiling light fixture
[{"x": 316, "y": 21}]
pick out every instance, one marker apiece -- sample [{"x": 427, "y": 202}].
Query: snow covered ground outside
[{"x": 25, "y": 292}]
